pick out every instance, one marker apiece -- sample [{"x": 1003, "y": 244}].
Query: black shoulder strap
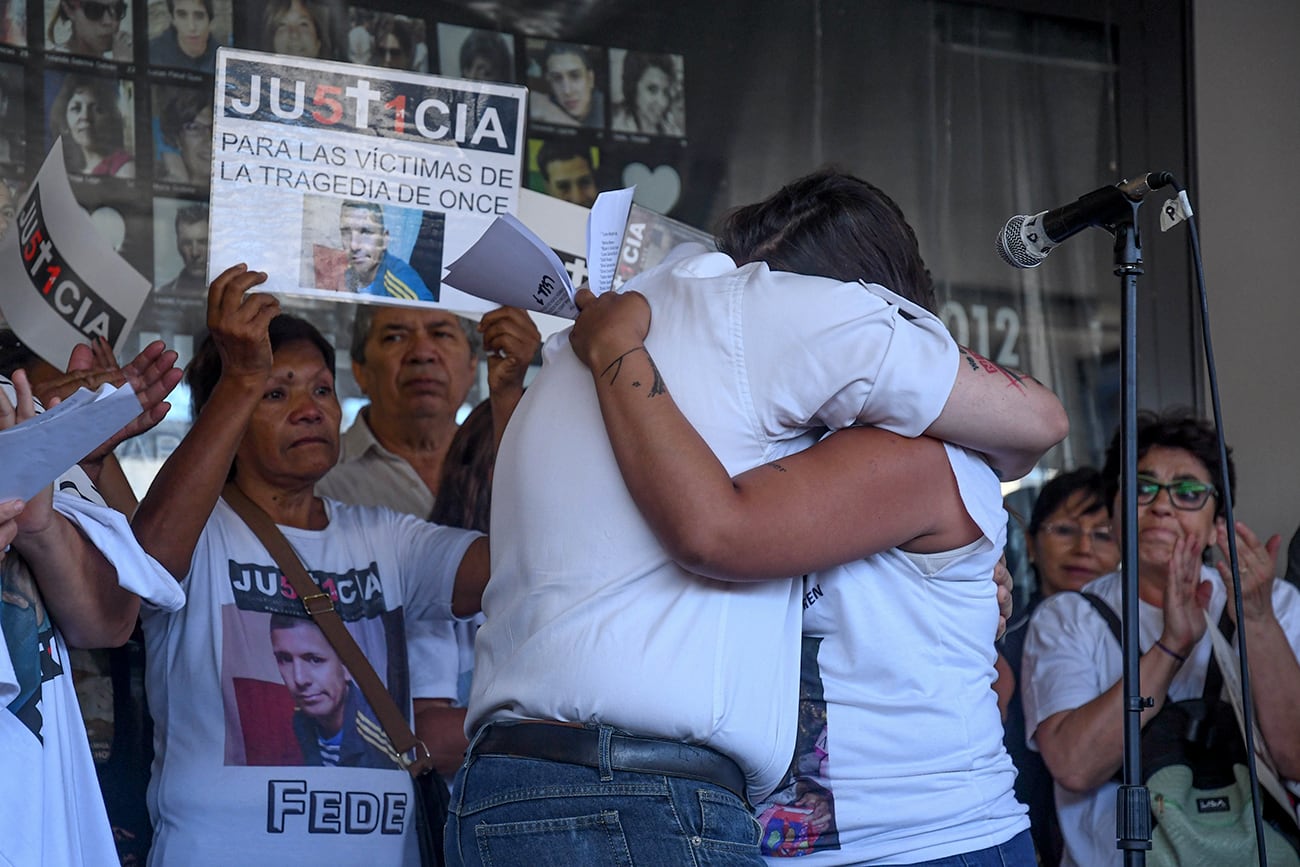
[
  {"x": 1213, "y": 677},
  {"x": 1107, "y": 613}
]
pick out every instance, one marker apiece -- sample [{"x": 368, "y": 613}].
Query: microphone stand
[{"x": 1133, "y": 805}]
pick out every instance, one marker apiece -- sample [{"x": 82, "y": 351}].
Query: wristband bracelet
[{"x": 1177, "y": 656}]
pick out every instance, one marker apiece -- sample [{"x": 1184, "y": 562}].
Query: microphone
[{"x": 1025, "y": 241}]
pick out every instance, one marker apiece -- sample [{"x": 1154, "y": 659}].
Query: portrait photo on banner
[
  {"x": 95, "y": 117},
  {"x": 290, "y": 699},
  {"x": 474, "y": 54},
  {"x": 368, "y": 182},
  {"x": 184, "y": 34},
  {"x": 101, "y": 29}
]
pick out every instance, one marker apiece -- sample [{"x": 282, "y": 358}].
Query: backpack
[{"x": 1194, "y": 765}]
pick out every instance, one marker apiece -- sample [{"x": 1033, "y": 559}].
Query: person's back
[
  {"x": 899, "y": 756},
  {"x": 585, "y": 609},
  {"x": 615, "y": 692}
]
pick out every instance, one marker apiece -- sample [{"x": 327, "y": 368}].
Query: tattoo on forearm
[
  {"x": 1015, "y": 378},
  {"x": 615, "y": 367}
]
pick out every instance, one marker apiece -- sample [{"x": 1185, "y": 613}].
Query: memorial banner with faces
[{"x": 351, "y": 183}]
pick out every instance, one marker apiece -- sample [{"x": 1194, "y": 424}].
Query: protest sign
[
  {"x": 350, "y": 183},
  {"x": 61, "y": 282}
]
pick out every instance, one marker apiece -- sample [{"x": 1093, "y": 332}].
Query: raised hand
[
  {"x": 609, "y": 326},
  {"x": 510, "y": 339},
  {"x": 1255, "y": 560},
  {"x": 239, "y": 321},
  {"x": 1186, "y": 596},
  {"x": 152, "y": 375}
]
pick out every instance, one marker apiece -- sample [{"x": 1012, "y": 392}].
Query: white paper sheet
[
  {"x": 39, "y": 450},
  {"x": 511, "y": 265}
]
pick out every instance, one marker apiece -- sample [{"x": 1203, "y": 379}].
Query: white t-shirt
[
  {"x": 53, "y": 813},
  {"x": 899, "y": 756},
  {"x": 1071, "y": 657},
  {"x": 368, "y": 474},
  {"x": 587, "y": 618},
  {"x": 228, "y": 783}
]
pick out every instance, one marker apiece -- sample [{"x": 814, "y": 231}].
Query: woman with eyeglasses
[
  {"x": 1072, "y": 690},
  {"x": 1070, "y": 543},
  {"x": 1069, "y": 538},
  {"x": 85, "y": 113},
  {"x": 92, "y": 28}
]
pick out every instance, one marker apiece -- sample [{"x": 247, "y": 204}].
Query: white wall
[{"x": 1247, "y": 102}]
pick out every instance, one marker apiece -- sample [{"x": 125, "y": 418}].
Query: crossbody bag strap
[
  {"x": 1265, "y": 769},
  {"x": 321, "y": 608},
  {"x": 1213, "y": 676}
]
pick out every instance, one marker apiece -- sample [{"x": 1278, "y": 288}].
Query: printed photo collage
[{"x": 128, "y": 86}]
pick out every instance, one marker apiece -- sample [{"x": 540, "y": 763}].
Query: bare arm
[
  {"x": 180, "y": 501},
  {"x": 1274, "y": 671},
  {"x": 1084, "y": 747},
  {"x": 471, "y": 579},
  {"x": 848, "y": 497},
  {"x": 78, "y": 585},
  {"x": 1005, "y": 415},
  {"x": 442, "y": 729},
  {"x": 114, "y": 486}
]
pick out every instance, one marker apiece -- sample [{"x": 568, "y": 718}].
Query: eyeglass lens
[
  {"x": 1073, "y": 532},
  {"x": 1183, "y": 493}
]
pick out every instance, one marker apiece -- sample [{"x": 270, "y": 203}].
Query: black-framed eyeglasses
[
  {"x": 1071, "y": 533},
  {"x": 1186, "y": 494},
  {"x": 95, "y": 10}
]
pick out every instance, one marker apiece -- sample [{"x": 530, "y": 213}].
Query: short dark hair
[
  {"x": 562, "y": 150},
  {"x": 831, "y": 224},
  {"x": 359, "y": 205},
  {"x": 180, "y": 109},
  {"x": 635, "y": 65},
  {"x": 207, "y": 4},
  {"x": 190, "y": 215},
  {"x": 204, "y": 369},
  {"x": 289, "y": 621},
  {"x": 490, "y": 46},
  {"x": 1085, "y": 480},
  {"x": 364, "y": 320},
  {"x": 1175, "y": 428},
  {"x": 555, "y": 49}
]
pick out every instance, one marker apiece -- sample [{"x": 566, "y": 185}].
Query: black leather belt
[{"x": 554, "y": 742}]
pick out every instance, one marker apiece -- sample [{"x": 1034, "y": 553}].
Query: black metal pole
[{"x": 1133, "y": 806}]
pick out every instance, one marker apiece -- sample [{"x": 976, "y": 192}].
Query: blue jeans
[
  {"x": 513, "y": 812},
  {"x": 1016, "y": 852}
]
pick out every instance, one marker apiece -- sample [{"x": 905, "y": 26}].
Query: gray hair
[{"x": 365, "y": 319}]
